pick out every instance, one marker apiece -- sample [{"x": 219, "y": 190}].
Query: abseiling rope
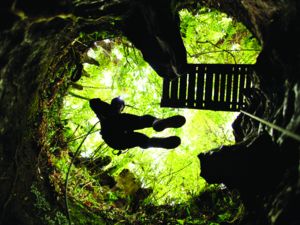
[{"x": 282, "y": 130}]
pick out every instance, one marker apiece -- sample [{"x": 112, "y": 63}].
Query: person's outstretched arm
[{"x": 102, "y": 109}]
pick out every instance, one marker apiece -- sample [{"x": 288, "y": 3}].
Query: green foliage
[
  {"x": 212, "y": 37},
  {"x": 121, "y": 68},
  {"x": 41, "y": 203},
  {"x": 171, "y": 175},
  {"x": 50, "y": 217}
]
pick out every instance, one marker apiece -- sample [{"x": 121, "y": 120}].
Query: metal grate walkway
[{"x": 218, "y": 87}]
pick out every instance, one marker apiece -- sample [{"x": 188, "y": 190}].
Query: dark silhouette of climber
[{"x": 118, "y": 129}]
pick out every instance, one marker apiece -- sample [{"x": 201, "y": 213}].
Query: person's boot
[
  {"x": 171, "y": 122},
  {"x": 167, "y": 142}
]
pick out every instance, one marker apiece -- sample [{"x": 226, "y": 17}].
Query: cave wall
[
  {"x": 34, "y": 37},
  {"x": 27, "y": 55},
  {"x": 264, "y": 165},
  {"x": 33, "y": 44}
]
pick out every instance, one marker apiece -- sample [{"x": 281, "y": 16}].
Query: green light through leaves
[{"x": 209, "y": 37}]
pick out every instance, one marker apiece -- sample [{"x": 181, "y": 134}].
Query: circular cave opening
[{"x": 149, "y": 184}]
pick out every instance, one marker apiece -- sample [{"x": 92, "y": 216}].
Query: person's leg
[
  {"x": 171, "y": 122},
  {"x": 135, "y": 139},
  {"x": 127, "y": 140},
  {"x": 142, "y": 141},
  {"x": 166, "y": 142},
  {"x": 134, "y": 122}
]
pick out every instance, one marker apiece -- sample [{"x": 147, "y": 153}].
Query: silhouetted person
[{"x": 118, "y": 129}]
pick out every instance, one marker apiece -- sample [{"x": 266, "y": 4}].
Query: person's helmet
[{"x": 118, "y": 104}]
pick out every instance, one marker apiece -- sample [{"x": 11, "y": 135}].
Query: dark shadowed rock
[
  {"x": 252, "y": 167},
  {"x": 153, "y": 27}
]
